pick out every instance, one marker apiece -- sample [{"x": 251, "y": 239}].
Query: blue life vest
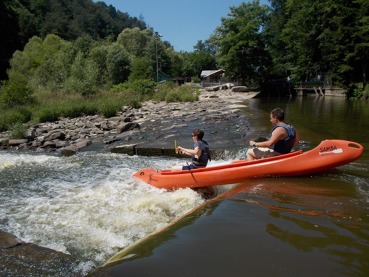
[{"x": 285, "y": 146}]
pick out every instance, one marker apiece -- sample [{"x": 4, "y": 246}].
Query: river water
[{"x": 89, "y": 205}]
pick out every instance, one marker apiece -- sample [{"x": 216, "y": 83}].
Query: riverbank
[
  {"x": 154, "y": 125},
  {"x": 158, "y": 125}
]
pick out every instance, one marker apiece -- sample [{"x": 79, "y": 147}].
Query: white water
[{"x": 87, "y": 205}]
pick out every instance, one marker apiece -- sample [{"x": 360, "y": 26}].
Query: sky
[{"x": 180, "y": 22}]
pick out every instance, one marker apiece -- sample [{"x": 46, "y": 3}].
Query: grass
[{"x": 50, "y": 106}]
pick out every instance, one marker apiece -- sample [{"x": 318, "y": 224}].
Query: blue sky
[{"x": 180, "y": 22}]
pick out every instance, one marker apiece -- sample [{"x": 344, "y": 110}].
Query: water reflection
[{"x": 314, "y": 214}]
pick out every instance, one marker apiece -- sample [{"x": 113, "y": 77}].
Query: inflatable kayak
[{"x": 328, "y": 154}]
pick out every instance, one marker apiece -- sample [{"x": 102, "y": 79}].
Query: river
[{"x": 89, "y": 206}]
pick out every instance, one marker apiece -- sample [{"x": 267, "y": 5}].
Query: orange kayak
[{"x": 328, "y": 154}]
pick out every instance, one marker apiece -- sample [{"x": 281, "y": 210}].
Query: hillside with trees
[{"x": 68, "y": 19}]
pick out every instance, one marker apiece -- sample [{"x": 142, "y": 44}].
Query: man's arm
[{"x": 278, "y": 134}]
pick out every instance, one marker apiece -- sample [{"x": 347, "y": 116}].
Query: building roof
[{"x": 207, "y": 73}]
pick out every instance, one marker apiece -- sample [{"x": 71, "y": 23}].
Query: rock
[
  {"x": 16, "y": 142},
  {"x": 31, "y": 133},
  {"x": 49, "y": 144},
  {"x": 155, "y": 123},
  {"x": 240, "y": 89},
  {"x": 214, "y": 88},
  {"x": 4, "y": 142},
  {"x": 56, "y": 135},
  {"x": 8, "y": 240},
  {"x": 128, "y": 149},
  {"x": 28, "y": 259},
  {"x": 75, "y": 147},
  {"x": 127, "y": 126}
]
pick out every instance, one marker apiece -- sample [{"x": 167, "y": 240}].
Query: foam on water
[{"x": 87, "y": 205}]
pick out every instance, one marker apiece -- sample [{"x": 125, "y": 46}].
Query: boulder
[
  {"x": 127, "y": 126},
  {"x": 8, "y": 240},
  {"x": 16, "y": 142},
  {"x": 240, "y": 89}
]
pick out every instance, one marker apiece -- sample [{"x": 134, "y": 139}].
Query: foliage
[
  {"x": 242, "y": 49},
  {"x": 15, "y": 92},
  {"x": 170, "y": 92},
  {"x": 142, "y": 89},
  {"x": 207, "y": 46},
  {"x": 141, "y": 69},
  {"x": 326, "y": 38},
  {"x": 18, "y": 130},
  {"x": 23, "y": 19},
  {"x": 9, "y": 117},
  {"x": 197, "y": 62},
  {"x": 117, "y": 64},
  {"x": 359, "y": 91},
  {"x": 82, "y": 77},
  {"x": 163, "y": 89},
  {"x": 77, "y": 53},
  {"x": 135, "y": 40}
]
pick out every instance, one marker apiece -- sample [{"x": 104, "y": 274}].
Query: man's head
[{"x": 277, "y": 114}]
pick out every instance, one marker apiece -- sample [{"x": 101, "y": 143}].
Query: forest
[{"x": 85, "y": 57}]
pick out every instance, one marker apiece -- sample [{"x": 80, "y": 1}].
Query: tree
[
  {"x": 197, "y": 62},
  {"x": 361, "y": 48},
  {"x": 135, "y": 40},
  {"x": 242, "y": 50},
  {"x": 20, "y": 20},
  {"x": 141, "y": 69},
  {"x": 9, "y": 30},
  {"x": 207, "y": 46},
  {"x": 118, "y": 64}
]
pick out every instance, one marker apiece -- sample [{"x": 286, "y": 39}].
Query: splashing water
[{"x": 87, "y": 205}]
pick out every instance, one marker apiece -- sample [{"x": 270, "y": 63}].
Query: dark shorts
[
  {"x": 188, "y": 167},
  {"x": 260, "y": 154}
]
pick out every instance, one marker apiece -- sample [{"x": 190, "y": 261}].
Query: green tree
[
  {"x": 22, "y": 19},
  {"x": 15, "y": 91},
  {"x": 177, "y": 61},
  {"x": 281, "y": 66},
  {"x": 299, "y": 38},
  {"x": 135, "y": 40},
  {"x": 242, "y": 50},
  {"x": 207, "y": 46},
  {"x": 141, "y": 69},
  {"x": 157, "y": 51},
  {"x": 83, "y": 76},
  {"x": 197, "y": 62},
  {"x": 361, "y": 47},
  {"x": 118, "y": 64}
]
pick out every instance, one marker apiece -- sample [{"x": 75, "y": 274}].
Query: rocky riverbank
[
  {"x": 147, "y": 130},
  {"x": 150, "y": 130}
]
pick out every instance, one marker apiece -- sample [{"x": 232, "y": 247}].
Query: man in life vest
[
  {"x": 200, "y": 153},
  {"x": 282, "y": 139}
]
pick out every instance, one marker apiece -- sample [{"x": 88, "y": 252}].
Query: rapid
[{"x": 87, "y": 205}]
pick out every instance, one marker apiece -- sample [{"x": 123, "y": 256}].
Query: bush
[
  {"x": 18, "y": 130},
  {"x": 170, "y": 92},
  {"x": 142, "y": 88},
  {"x": 15, "y": 91},
  {"x": 14, "y": 116},
  {"x": 79, "y": 108},
  {"x": 110, "y": 108},
  {"x": 48, "y": 115}
]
